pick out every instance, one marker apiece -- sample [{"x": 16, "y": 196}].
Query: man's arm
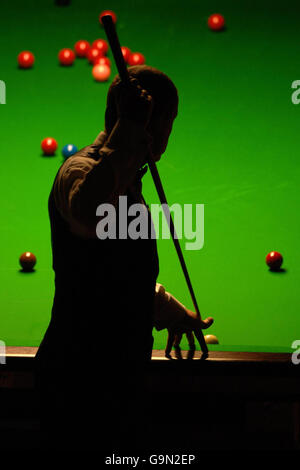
[
  {"x": 83, "y": 183},
  {"x": 121, "y": 156}
]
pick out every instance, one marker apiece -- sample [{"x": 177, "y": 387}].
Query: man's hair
[{"x": 156, "y": 83}]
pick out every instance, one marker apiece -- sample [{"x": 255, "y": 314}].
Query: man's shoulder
[
  {"x": 85, "y": 157},
  {"x": 89, "y": 152},
  {"x": 78, "y": 164}
]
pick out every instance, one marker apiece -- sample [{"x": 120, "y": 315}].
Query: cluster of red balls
[{"x": 95, "y": 53}]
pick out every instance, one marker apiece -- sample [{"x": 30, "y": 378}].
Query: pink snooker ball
[{"x": 101, "y": 72}]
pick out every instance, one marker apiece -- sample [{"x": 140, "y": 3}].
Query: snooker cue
[{"x": 114, "y": 43}]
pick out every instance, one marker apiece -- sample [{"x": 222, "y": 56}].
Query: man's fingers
[
  {"x": 190, "y": 354},
  {"x": 171, "y": 338},
  {"x": 178, "y": 338},
  {"x": 193, "y": 323},
  {"x": 137, "y": 90},
  {"x": 191, "y": 326},
  {"x": 192, "y": 347},
  {"x": 206, "y": 323},
  {"x": 178, "y": 354},
  {"x": 198, "y": 335},
  {"x": 191, "y": 339}
]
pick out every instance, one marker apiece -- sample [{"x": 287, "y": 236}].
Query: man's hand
[
  {"x": 134, "y": 103},
  {"x": 191, "y": 325}
]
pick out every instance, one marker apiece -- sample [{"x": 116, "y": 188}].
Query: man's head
[{"x": 165, "y": 104}]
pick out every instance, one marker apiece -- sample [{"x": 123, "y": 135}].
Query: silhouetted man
[{"x": 106, "y": 299}]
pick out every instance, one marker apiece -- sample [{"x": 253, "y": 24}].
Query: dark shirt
[{"x": 97, "y": 315}]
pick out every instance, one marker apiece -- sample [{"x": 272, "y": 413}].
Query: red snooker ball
[
  {"x": 216, "y": 22},
  {"x": 126, "y": 53},
  {"x": 102, "y": 61},
  {"x": 102, "y": 45},
  {"x": 49, "y": 146},
  {"x": 26, "y": 60},
  {"x": 101, "y": 73},
  {"x": 81, "y": 48},
  {"x": 94, "y": 54},
  {"x": 136, "y": 58},
  {"x": 108, "y": 12},
  {"x": 66, "y": 57},
  {"x": 27, "y": 261},
  {"x": 274, "y": 260}
]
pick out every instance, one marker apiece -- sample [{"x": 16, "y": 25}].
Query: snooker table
[{"x": 234, "y": 148}]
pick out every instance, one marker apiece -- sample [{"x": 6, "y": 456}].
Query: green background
[{"x": 234, "y": 147}]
